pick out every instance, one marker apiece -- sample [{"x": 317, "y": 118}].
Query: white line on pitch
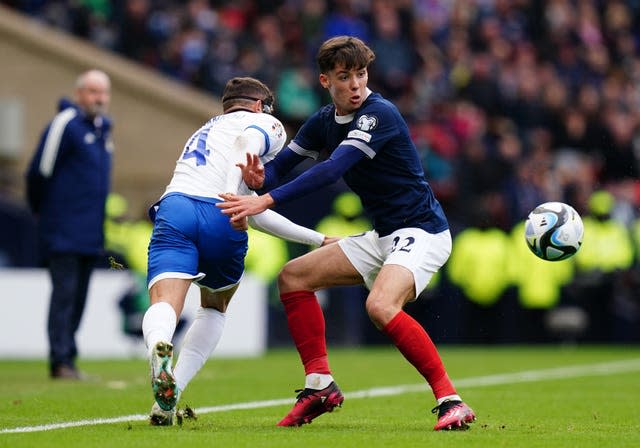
[{"x": 609, "y": 368}]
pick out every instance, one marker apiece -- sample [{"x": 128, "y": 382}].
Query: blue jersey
[{"x": 389, "y": 179}]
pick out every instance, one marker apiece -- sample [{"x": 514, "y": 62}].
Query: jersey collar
[{"x": 343, "y": 119}]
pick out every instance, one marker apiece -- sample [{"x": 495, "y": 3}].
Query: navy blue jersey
[
  {"x": 68, "y": 181},
  {"x": 389, "y": 180}
]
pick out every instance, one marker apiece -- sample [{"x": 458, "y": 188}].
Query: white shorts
[{"x": 421, "y": 252}]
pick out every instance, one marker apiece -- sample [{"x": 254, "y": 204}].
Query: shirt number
[
  {"x": 200, "y": 152},
  {"x": 404, "y": 246}
]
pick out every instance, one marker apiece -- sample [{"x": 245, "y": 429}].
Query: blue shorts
[{"x": 192, "y": 239}]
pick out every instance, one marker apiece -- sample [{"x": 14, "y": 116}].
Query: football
[{"x": 554, "y": 231}]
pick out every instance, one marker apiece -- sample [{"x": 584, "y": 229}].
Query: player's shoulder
[
  {"x": 325, "y": 113},
  {"x": 376, "y": 103},
  {"x": 264, "y": 121},
  {"x": 265, "y": 118},
  {"x": 376, "y": 110},
  {"x": 272, "y": 125}
]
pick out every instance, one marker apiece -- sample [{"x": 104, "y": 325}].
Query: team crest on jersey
[
  {"x": 367, "y": 123},
  {"x": 277, "y": 129}
]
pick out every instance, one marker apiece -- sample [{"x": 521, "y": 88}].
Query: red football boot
[{"x": 311, "y": 403}]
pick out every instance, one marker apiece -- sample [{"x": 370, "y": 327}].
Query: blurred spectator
[
  {"x": 478, "y": 268},
  {"x": 347, "y": 17},
  {"x": 395, "y": 56},
  {"x": 601, "y": 263},
  {"x": 539, "y": 288},
  {"x": 134, "y": 39},
  {"x": 67, "y": 185},
  {"x": 297, "y": 97}
]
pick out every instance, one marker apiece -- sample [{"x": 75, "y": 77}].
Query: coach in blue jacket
[{"x": 67, "y": 185}]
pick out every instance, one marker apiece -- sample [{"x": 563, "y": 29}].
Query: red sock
[
  {"x": 306, "y": 325},
  {"x": 416, "y": 345}
]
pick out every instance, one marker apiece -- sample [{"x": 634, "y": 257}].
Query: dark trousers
[{"x": 70, "y": 274}]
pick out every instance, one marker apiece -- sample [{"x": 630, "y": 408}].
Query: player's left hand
[
  {"x": 252, "y": 171},
  {"x": 239, "y": 207}
]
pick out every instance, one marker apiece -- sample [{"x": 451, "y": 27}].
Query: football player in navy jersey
[{"x": 366, "y": 141}]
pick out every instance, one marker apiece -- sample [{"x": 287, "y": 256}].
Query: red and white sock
[{"x": 417, "y": 347}]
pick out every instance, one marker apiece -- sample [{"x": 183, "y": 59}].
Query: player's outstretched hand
[
  {"x": 239, "y": 207},
  {"x": 252, "y": 172}
]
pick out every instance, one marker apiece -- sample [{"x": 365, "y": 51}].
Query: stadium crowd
[{"x": 511, "y": 103}]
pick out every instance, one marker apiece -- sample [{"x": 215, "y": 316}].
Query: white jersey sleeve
[
  {"x": 210, "y": 155},
  {"x": 275, "y": 224}
]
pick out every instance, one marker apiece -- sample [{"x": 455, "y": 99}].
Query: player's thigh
[
  {"x": 365, "y": 255},
  {"x": 394, "y": 286},
  {"x": 321, "y": 268}
]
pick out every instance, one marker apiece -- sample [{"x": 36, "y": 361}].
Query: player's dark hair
[
  {"x": 346, "y": 51},
  {"x": 240, "y": 90}
]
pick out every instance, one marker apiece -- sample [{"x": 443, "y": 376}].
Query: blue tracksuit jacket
[{"x": 68, "y": 181}]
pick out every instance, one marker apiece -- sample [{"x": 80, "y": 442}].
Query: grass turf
[{"x": 596, "y": 405}]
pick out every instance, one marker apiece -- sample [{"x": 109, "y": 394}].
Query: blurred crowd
[{"x": 511, "y": 103}]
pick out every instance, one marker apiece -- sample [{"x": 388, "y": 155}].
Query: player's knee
[
  {"x": 288, "y": 278},
  {"x": 380, "y": 311},
  {"x": 297, "y": 276}
]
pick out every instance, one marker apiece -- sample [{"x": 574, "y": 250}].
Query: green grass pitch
[{"x": 549, "y": 396}]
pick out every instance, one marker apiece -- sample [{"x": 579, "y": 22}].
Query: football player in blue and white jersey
[
  {"x": 192, "y": 241},
  {"x": 366, "y": 141}
]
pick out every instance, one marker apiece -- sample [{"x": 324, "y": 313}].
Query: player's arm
[
  {"x": 318, "y": 176},
  {"x": 263, "y": 179},
  {"x": 277, "y": 225}
]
